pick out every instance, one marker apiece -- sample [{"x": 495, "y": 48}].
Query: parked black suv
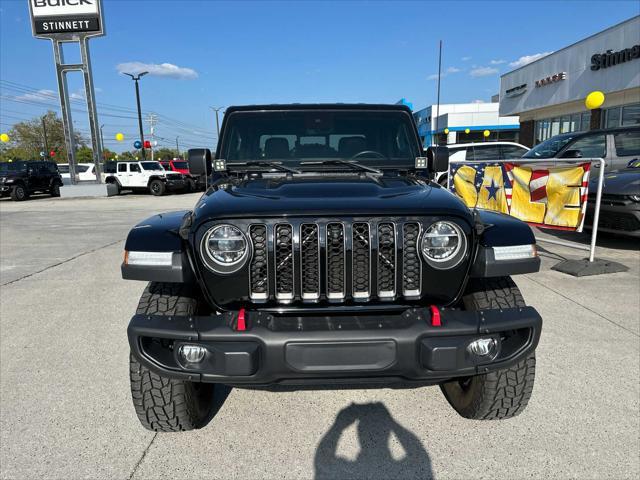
[
  {"x": 323, "y": 255},
  {"x": 21, "y": 179}
]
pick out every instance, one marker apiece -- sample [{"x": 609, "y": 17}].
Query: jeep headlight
[
  {"x": 443, "y": 245},
  {"x": 224, "y": 248}
]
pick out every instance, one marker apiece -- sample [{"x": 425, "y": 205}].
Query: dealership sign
[
  {"x": 66, "y": 18},
  {"x": 556, "y": 77},
  {"x": 611, "y": 58},
  {"x": 543, "y": 195}
]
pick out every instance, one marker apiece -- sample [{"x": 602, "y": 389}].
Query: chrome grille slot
[
  {"x": 386, "y": 260},
  {"x": 361, "y": 263},
  {"x": 283, "y": 246},
  {"x": 336, "y": 271},
  {"x": 411, "y": 264},
  {"x": 310, "y": 261},
  {"x": 335, "y": 260},
  {"x": 258, "y": 271}
]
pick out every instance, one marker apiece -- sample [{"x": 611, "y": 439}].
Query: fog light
[
  {"x": 192, "y": 353},
  {"x": 483, "y": 347}
]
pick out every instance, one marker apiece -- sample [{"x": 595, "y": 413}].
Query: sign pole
[
  {"x": 91, "y": 106},
  {"x": 67, "y": 121}
]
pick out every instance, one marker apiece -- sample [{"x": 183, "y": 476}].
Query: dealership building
[
  {"x": 464, "y": 123},
  {"x": 549, "y": 94}
]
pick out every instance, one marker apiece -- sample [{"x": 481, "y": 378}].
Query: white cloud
[
  {"x": 483, "y": 71},
  {"x": 158, "y": 69},
  {"x": 448, "y": 71},
  {"x": 522, "y": 61},
  {"x": 477, "y": 100},
  {"x": 497, "y": 62},
  {"x": 466, "y": 59},
  {"x": 39, "y": 96}
]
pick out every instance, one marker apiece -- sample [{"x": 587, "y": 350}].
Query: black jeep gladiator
[{"x": 322, "y": 254}]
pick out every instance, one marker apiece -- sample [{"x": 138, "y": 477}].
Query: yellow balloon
[
  {"x": 486, "y": 133},
  {"x": 466, "y": 130},
  {"x": 119, "y": 137},
  {"x": 446, "y": 131},
  {"x": 4, "y": 138},
  {"x": 594, "y": 100}
]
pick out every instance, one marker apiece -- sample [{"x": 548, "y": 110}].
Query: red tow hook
[
  {"x": 435, "y": 316},
  {"x": 242, "y": 325}
]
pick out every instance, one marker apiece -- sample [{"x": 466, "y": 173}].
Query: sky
[{"x": 215, "y": 53}]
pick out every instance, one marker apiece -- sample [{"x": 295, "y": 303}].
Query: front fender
[
  {"x": 501, "y": 230},
  {"x": 157, "y": 234}
]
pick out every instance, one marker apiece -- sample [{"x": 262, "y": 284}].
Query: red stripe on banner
[
  {"x": 536, "y": 174},
  {"x": 585, "y": 184},
  {"x": 538, "y": 194},
  {"x": 552, "y": 227}
]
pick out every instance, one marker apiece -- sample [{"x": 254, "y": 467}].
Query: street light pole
[
  {"x": 136, "y": 78},
  {"x": 217, "y": 109},
  {"x": 46, "y": 143},
  {"x": 102, "y": 142}
]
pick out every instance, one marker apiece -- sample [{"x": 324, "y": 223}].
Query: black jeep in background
[
  {"x": 21, "y": 179},
  {"x": 323, "y": 255}
]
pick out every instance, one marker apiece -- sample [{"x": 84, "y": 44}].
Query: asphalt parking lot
[{"x": 65, "y": 408}]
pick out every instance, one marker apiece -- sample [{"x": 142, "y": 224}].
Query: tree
[
  {"x": 84, "y": 154},
  {"x": 27, "y": 138},
  {"x": 164, "y": 154}
]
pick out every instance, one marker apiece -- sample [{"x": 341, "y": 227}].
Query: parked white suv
[
  {"x": 147, "y": 175},
  {"x": 485, "y": 151},
  {"x": 84, "y": 171}
]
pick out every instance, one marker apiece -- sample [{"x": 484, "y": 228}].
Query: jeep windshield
[
  {"x": 151, "y": 166},
  {"x": 320, "y": 139}
]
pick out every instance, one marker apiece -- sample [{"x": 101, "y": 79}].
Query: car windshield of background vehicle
[
  {"x": 549, "y": 148},
  {"x": 375, "y": 138},
  {"x": 6, "y": 167},
  {"x": 151, "y": 166},
  {"x": 181, "y": 165}
]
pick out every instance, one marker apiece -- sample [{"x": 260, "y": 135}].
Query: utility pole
[
  {"x": 177, "y": 147},
  {"x": 439, "y": 74},
  {"x": 44, "y": 135},
  {"x": 136, "y": 78},
  {"x": 152, "y": 124},
  {"x": 217, "y": 109}
]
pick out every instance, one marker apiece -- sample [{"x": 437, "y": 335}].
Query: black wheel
[
  {"x": 19, "y": 193},
  {"x": 503, "y": 393},
  {"x": 443, "y": 181},
  {"x": 164, "y": 404},
  {"x": 55, "y": 190},
  {"x": 157, "y": 187}
]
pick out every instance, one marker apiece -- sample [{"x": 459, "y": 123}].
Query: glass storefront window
[
  {"x": 565, "y": 126},
  {"x": 612, "y": 118},
  {"x": 575, "y": 122},
  {"x": 555, "y": 126},
  {"x": 631, "y": 115},
  {"x": 586, "y": 121}
]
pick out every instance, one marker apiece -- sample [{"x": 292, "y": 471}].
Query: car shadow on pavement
[
  {"x": 604, "y": 239},
  {"x": 375, "y": 427}
]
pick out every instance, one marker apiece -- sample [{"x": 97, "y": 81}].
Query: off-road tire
[
  {"x": 503, "y": 393},
  {"x": 55, "y": 190},
  {"x": 165, "y": 404},
  {"x": 157, "y": 188},
  {"x": 19, "y": 193}
]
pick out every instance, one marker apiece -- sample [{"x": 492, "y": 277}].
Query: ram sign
[
  {"x": 66, "y": 18},
  {"x": 542, "y": 195}
]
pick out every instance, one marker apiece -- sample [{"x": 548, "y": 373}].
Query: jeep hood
[{"x": 328, "y": 196}]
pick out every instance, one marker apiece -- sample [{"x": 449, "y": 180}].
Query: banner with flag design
[{"x": 549, "y": 196}]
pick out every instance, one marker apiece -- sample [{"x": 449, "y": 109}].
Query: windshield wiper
[
  {"x": 264, "y": 163},
  {"x": 349, "y": 163}
]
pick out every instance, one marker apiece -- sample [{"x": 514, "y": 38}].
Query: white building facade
[
  {"x": 549, "y": 94},
  {"x": 464, "y": 123}
]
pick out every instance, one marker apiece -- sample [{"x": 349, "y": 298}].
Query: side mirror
[
  {"x": 199, "y": 161},
  {"x": 438, "y": 158},
  {"x": 572, "y": 154}
]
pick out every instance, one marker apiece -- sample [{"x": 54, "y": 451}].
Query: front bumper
[
  {"x": 340, "y": 349},
  {"x": 618, "y": 214},
  {"x": 173, "y": 185}
]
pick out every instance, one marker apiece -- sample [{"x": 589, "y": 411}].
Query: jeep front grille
[{"x": 335, "y": 260}]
